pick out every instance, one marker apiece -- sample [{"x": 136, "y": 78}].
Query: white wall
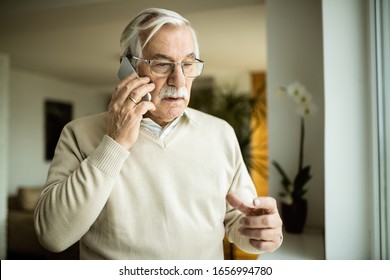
[
  {"x": 4, "y": 97},
  {"x": 294, "y": 35},
  {"x": 348, "y": 210},
  {"x": 27, "y": 164},
  {"x": 235, "y": 69}
]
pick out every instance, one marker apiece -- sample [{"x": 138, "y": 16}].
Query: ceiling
[{"x": 78, "y": 40}]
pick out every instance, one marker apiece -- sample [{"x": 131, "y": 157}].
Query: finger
[
  {"x": 121, "y": 86},
  {"x": 128, "y": 86},
  {"x": 262, "y": 221},
  {"x": 141, "y": 91},
  {"x": 143, "y": 107},
  {"x": 267, "y": 203},
  {"x": 237, "y": 203},
  {"x": 136, "y": 89},
  {"x": 264, "y": 246},
  {"x": 132, "y": 100},
  {"x": 260, "y": 234},
  {"x": 244, "y": 208},
  {"x": 126, "y": 80}
]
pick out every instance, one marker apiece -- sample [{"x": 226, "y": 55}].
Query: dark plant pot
[{"x": 294, "y": 216}]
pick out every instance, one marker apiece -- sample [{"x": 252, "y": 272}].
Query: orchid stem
[{"x": 301, "y": 145}]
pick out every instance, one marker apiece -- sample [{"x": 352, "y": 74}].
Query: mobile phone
[{"x": 125, "y": 70}]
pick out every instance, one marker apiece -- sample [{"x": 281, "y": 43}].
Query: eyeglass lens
[{"x": 190, "y": 69}]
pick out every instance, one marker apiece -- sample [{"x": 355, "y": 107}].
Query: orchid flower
[{"x": 295, "y": 190}]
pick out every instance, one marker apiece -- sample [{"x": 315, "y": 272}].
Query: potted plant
[{"x": 294, "y": 204}]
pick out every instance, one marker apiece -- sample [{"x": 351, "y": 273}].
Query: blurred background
[{"x": 59, "y": 61}]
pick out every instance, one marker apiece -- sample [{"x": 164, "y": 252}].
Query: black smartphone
[{"x": 125, "y": 70}]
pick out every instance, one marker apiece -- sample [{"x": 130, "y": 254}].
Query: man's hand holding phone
[
  {"x": 125, "y": 70},
  {"x": 126, "y": 108}
]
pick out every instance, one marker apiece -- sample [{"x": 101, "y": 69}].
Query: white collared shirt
[{"x": 156, "y": 129}]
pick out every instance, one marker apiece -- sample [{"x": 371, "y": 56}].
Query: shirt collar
[{"x": 157, "y": 130}]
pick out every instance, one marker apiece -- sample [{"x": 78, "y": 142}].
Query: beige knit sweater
[{"x": 162, "y": 199}]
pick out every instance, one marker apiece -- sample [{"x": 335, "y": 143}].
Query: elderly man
[{"x": 151, "y": 179}]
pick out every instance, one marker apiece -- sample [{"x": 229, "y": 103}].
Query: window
[{"x": 382, "y": 65}]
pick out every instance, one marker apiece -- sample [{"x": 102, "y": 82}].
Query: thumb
[{"x": 240, "y": 205}]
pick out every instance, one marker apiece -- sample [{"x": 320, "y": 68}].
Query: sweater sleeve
[
  {"x": 76, "y": 190},
  {"x": 242, "y": 185}
]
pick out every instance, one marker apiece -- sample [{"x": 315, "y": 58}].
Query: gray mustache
[{"x": 172, "y": 92}]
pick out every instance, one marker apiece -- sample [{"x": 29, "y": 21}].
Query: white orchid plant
[{"x": 305, "y": 107}]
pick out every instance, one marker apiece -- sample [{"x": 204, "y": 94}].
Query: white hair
[{"x": 143, "y": 27}]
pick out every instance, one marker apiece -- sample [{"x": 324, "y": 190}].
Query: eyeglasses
[{"x": 163, "y": 68}]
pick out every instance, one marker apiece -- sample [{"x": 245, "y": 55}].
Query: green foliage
[
  {"x": 236, "y": 107},
  {"x": 295, "y": 190}
]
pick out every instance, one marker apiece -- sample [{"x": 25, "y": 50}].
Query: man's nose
[{"x": 177, "y": 78}]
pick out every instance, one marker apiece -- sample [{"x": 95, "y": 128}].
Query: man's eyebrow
[
  {"x": 161, "y": 56},
  {"x": 167, "y": 57}
]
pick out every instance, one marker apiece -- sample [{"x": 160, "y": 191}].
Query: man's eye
[
  {"x": 187, "y": 64},
  {"x": 162, "y": 65}
]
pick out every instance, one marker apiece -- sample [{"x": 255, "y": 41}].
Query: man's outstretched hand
[{"x": 261, "y": 224}]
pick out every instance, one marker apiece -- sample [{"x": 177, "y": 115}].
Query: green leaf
[
  {"x": 302, "y": 178},
  {"x": 285, "y": 180}
]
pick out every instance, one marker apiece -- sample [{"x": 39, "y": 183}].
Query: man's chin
[{"x": 169, "y": 111}]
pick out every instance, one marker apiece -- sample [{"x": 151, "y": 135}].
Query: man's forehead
[
  {"x": 168, "y": 57},
  {"x": 171, "y": 42}
]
